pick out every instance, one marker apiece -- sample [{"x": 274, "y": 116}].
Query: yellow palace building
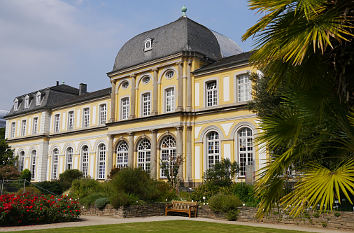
[{"x": 180, "y": 90}]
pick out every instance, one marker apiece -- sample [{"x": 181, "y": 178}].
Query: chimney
[
  {"x": 82, "y": 88},
  {"x": 57, "y": 83}
]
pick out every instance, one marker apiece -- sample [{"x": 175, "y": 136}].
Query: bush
[
  {"x": 123, "y": 199},
  {"x": 100, "y": 203},
  {"x": 205, "y": 190},
  {"x": 26, "y": 175},
  {"x": 245, "y": 192},
  {"x": 83, "y": 187},
  {"x": 9, "y": 172},
  {"x": 33, "y": 209},
  {"x": 222, "y": 173},
  {"x": 50, "y": 187},
  {"x": 232, "y": 215},
  {"x": 89, "y": 200},
  {"x": 113, "y": 172},
  {"x": 30, "y": 190},
  {"x": 66, "y": 178},
  {"x": 225, "y": 203}
]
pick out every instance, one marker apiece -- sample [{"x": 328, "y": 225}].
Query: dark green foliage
[
  {"x": 222, "y": 173},
  {"x": 205, "y": 190},
  {"x": 9, "y": 172},
  {"x": 113, "y": 172},
  {"x": 100, "y": 203},
  {"x": 83, "y": 187},
  {"x": 90, "y": 199},
  {"x": 26, "y": 175},
  {"x": 6, "y": 154},
  {"x": 232, "y": 215},
  {"x": 32, "y": 190},
  {"x": 225, "y": 203},
  {"x": 245, "y": 192},
  {"x": 50, "y": 187},
  {"x": 123, "y": 199},
  {"x": 66, "y": 178}
]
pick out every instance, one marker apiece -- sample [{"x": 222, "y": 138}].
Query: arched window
[
  {"x": 144, "y": 152},
  {"x": 168, "y": 154},
  {"x": 55, "y": 163},
  {"x": 122, "y": 154},
  {"x": 21, "y": 161},
  {"x": 84, "y": 160},
  {"x": 69, "y": 158},
  {"x": 101, "y": 161},
  {"x": 213, "y": 149},
  {"x": 33, "y": 164},
  {"x": 245, "y": 149}
]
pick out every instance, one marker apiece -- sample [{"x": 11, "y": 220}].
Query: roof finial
[{"x": 184, "y": 10}]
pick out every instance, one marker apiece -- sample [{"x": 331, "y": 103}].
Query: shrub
[
  {"x": 31, "y": 190},
  {"x": 9, "y": 172},
  {"x": 33, "y": 209},
  {"x": 66, "y": 178},
  {"x": 100, "y": 203},
  {"x": 113, "y": 172},
  {"x": 26, "y": 175},
  {"x": 337, "y": 214},
  {"x": 232, "y": 215},
  {"x": 90, "y": 199},
  {"x": 83, "y": 187},
  {"x": 50, "y": 187},
  {"x": 205, "y": 190},
  {"x": 222, "y": 173},
  {"x": 245, "y": 192},
  {"x": 123, "y": 199},
  {"x": 224, "y": 203}
]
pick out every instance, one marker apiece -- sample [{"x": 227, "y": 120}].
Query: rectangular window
[
  {"x": 86, "y": 118},
  {"x": 103, "y": 114},
  {"x": 56, "y": 123},
  {"x": 212, "y": 94},
  {"x": 13, "y": 129},
  {"x": 244, "y": 88},
  {"x": 170, "y": 100},
  {"x": 35, "y": 125},
  {"x": 125, "y": 108},
  {"x": 23, "y": 128},
  {"x": 146, "y": 104},
  {"x": 71, "y": 120}
]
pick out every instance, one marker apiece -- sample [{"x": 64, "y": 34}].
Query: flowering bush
[{"x": 31, "y": 209}]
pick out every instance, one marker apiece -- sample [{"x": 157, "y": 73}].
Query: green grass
[{"x": 165, "y": 226}]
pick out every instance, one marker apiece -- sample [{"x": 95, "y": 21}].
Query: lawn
[{"x": 165, "y": 226}]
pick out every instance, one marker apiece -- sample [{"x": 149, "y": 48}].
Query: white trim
[
  {"x": 226, "y": 88},
  {"x": 121, "y": 107},
  {"x": 205, "y": 98},
  {"x": 164, "y": 98},
  {"x": 163, "y": 72},
  {"x": 142, "y": 102},
  {"x": 140, "y": 79},
  {"x": 196, "y": 94}
]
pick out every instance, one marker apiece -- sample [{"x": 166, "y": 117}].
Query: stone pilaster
[
  {"x": 180, "y": 87},
  {"x": 155, "y": 94},
  {"x": 113, "y": 102},
  {"x": 153, "y": 159},
  {"x": 189, "y": 86},
  {"x": 189, "y": 154},
  {"x": 179, "y": 150},
  {"x": 133, "y": 97},
  {"x": 109, "y": 158},
  {"x": 131, "y": 150}
]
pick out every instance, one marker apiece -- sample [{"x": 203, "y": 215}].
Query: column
[
  {"x": 109, "y": 158},
  {"x": 131, "y": 150},
  {"x": 132, "y": 97},
  {"x": 179, "y": 150},
  {"x": 113, "y": 102},
  {"x": 189, "y": 154},
  {"x": 155, "y": 94},
  {"x": 153, "y": 158},
  {"x": 180, "y": 87},
  {"x": 189, "y": 86}
]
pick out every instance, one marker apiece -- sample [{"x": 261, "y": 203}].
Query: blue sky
[{"x": 75, "y": 41}]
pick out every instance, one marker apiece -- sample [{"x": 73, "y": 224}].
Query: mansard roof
[{"x": 181, "y": 35}]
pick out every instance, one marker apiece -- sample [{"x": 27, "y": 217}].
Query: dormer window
[
  {"x": 27, "y": 101},
  {"x": 16, "y": 105},
  {"x": 38, "y": 98},
  {"x": 147, "y": 44}
]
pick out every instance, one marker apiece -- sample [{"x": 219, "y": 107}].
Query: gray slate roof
[
  {"x": 225, "y": 62},
  {"x": 55, "y": 96},
  {"x": 181, "y": 35}
]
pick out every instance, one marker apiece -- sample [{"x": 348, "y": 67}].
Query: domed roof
[{"x": 181, "y": 35}]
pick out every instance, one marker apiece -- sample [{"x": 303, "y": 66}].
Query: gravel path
[{"x": 104, "y": 220}]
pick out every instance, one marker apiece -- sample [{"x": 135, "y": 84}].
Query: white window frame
[
  {"x": 167, "y": 72},
  {"x": 85, "y": 160},
  {"x": 23, "y": 128},
  {"x": 122, "y": 151},
  {"x": 33, "y": 164},
  {"x": 27, "y": 101},
  {"x": 144, "y": 154},
  {"x": 86, "y": 117},
  {"x": 212, "y": 149},
  {"x": 213, "y": 93},
  {"x": 169, "y": 100},
  {"x": 168, "y": 153},
  {"x": 35, "y": 126},
  {"x": 21, "y": 161},
  {"x": 248, "y": 153},
  {"x": 147, "y": 44},
  {"x": 246, "y": 93},
  {"x": 55, "y": 164},
  {"x": 146, "y": 104},
  {"x": 71, "y": 120},
  {"x": 56, "y": 123},
  {"x": 101, "y": 161},
  {"x": 13, "y": 129},
  {"x": 69, "y": 158},
  {"x": 16, "y": 105},
  {"x": 38, "y": 98},
  {"x": 125, "y": 108},
  {"x": 102, "y": 114}
]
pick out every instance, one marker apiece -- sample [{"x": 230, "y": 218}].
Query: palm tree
[{"x": 305, "y": 50}]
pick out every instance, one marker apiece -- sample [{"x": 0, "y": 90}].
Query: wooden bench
[{"x": 183, "y": 207}]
